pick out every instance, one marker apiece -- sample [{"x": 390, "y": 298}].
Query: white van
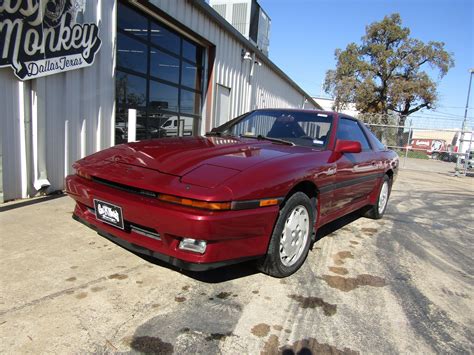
[{"x": 172, "y": 124}]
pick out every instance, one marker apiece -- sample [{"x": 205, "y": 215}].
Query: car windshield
[{"x": 301, "y": 128}]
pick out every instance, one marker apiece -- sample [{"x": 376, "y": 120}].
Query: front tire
[
  {"x": 291, "y": 237},
  {"x": 377, "y": 211}
]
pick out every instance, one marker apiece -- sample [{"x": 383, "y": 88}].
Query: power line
[
  {"x": 469, "y": 108},
  {"x": 448, "y": 114}
]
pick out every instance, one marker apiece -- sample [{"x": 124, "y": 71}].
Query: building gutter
[{"x": 214, "y": 15}]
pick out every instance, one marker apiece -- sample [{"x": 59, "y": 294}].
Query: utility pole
[{"x": 464, "y": 126}]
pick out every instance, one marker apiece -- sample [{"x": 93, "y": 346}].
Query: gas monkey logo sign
[{"x": 42, "y": 37}]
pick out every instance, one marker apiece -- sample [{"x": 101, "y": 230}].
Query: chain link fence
[{"x": 443, "y": 150}]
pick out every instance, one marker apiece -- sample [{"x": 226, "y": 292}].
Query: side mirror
[{"x": 345, "y": 146}]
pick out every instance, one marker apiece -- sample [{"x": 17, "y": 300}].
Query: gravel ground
[{"x": 398, "y": 285}]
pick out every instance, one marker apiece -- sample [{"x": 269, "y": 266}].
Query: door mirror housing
[{"x": 346, "y": 146}]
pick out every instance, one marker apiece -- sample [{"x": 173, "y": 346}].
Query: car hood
[{"x": 179, "y": 156}]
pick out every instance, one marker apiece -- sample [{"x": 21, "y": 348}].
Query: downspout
[
  {"x": 251, "y": 91},
  {"x": 38, "y": 137}
]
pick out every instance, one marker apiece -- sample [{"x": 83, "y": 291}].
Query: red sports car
[{"x": 257, "y": 187}]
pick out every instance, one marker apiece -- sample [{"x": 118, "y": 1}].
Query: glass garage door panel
[
  {"x": 191, "y": 76},
  {"x": 186, "y": 125},
  {"x": 131, "y": 54},
  {"x": 192, "y": 52},
  {"x": 163, "y": 97},
  {"x": 164, "y": 38},
  {"x": 132, "y": 22},
  {"x": 164, "y": 66},
  {"x": 190, "y": 102},
  {"x": 162, "y": 125},
  {"x": 130, "y": 90}
]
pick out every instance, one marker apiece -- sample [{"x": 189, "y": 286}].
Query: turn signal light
[
  {"x": 83, "y": 174},
  {"x": 272, "y": 202},
  {"x": 215, "y": 206}
]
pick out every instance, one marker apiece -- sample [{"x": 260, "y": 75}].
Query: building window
[{"x": 159, "y": 74}]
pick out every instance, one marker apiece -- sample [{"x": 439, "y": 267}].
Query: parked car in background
[{"x": 257, "y": 187}]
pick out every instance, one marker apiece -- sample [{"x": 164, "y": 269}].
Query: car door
[{"x": 356, "y": 173}]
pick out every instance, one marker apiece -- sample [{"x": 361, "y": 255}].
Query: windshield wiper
[
  {"x": 264, "y": 138},
  {"x": 218, "y": 134}
]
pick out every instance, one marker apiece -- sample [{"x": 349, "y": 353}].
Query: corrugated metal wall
[{"x": 48, "y": 123}]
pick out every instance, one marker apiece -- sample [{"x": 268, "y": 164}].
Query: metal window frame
[{"x": 145, "y": 12}]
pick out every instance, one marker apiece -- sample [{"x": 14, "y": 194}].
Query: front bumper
[
  {"x": 231, "y": 236},
  {"x": 178, "y": 263}
]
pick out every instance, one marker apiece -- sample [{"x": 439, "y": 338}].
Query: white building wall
[
  {"x": 327, "y": 105},
  {"x": 64, "y": 117}
]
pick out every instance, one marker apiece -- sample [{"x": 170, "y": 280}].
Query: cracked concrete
[{"x": 403, "y": 284}]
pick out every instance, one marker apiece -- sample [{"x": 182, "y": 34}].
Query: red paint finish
[{"x": 223, "y": 169}]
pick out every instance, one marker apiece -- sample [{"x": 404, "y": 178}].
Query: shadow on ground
[{"x": 248, "y": 268}]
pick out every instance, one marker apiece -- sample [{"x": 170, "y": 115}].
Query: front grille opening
[
  {"x": 147, "y": 232},
  {"x": 136, "y": 228},
  {"x": 130, "y": 189}
]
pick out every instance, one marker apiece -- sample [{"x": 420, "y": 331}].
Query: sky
[{"x": 305, "y": 33}]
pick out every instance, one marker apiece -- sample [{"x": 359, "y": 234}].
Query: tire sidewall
[{"x": 296, "y": 199}]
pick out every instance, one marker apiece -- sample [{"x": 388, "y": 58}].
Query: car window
[
  {"x": 378, "y": 144},
  {"x": 302, "y": 128},
  {"x": 350, "y": 130}
]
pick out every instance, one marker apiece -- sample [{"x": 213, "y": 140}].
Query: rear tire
[
  {"x": 377, "y": 211},
  {"x": 291, "y": 238}
]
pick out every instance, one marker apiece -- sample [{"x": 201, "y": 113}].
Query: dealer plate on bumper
[{"x": 109, "y": 213}]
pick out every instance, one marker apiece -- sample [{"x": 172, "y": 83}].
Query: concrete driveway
[{"x": 402, "y": 284}]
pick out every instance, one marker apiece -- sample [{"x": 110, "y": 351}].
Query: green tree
[{"x": 386, "y": 73}]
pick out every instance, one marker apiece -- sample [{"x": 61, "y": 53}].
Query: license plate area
[{"x": 109, "y": 213}]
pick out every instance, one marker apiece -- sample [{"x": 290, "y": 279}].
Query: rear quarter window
[{"x": 378, "y": 145}]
